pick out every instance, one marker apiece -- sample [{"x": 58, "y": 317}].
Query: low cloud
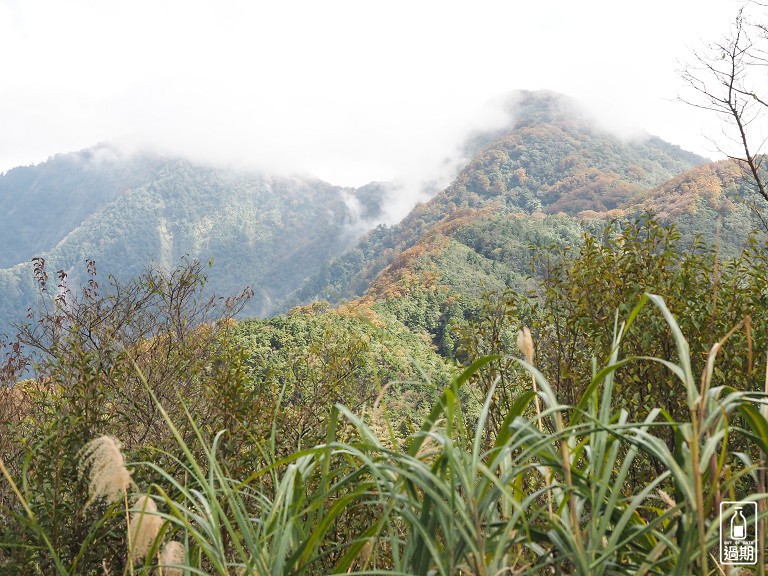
[
  {"x": 614, "y": 118},
  {"x": 416, "y": 146},
  {"x": 350, "y": 92}
]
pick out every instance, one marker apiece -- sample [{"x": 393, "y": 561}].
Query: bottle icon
[{"x": 738, "y": 525}]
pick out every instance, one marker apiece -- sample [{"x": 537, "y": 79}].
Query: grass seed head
[
  {"x": 525, "y": 344},
  {"x": 667, "y": 499},
  {"x": 172, "y": 553},
  {"x": 145, "y": 525},
  {"x": 108, "y": 476}
]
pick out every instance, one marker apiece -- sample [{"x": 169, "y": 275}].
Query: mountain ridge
[
  {"x": 542, "y": 162},
  {"x": 295, "y": 240},
  {"x": 261, "y": 230}
]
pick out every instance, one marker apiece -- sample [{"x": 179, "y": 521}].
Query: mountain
[
  {"x": 41, "y": 204},
  {"x": 128, "y": 212},
  {"x": 543, "y": 179},
  {"x": 550, "y": 159}
]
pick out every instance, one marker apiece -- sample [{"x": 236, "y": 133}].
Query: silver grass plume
[
  {"x": 108, "y": 477},
  {"x": 172, "y": 553},
  {"x": 525, "y": 344},
  {"x": 145, "y": 525}
]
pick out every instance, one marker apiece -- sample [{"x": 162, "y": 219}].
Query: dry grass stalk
[
  {"x": 378, "y": 420},
  {"x": 525, "y": 344},
  {"x": 108, "y": 478}
]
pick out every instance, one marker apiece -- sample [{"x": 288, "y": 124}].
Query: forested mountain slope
[
  {"x": 550, "y": 159},
  {"x": 545, "y": 178},
  {"x": 716, "y": 201},
  {"x": 127, "y": 213},
  {"x": 40, "y": 205}
]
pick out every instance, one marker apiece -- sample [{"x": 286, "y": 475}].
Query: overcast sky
[{"x": 350, "y": 91}]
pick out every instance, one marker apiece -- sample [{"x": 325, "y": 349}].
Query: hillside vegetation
[
  {"x": 130, "y": 212},
  {"x": 352, "y": 440},
  {"x": 550, "y": 159},
  {"x": 294, "y": 240},
  {"x": 555, "y": 365}
]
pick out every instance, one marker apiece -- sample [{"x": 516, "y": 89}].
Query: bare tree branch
[{"x": 725, "y": 79}]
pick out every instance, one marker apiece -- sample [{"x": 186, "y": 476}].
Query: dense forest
[
  {"x": 129, "y": 211},
  {"x": 553, "y": 366}
]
